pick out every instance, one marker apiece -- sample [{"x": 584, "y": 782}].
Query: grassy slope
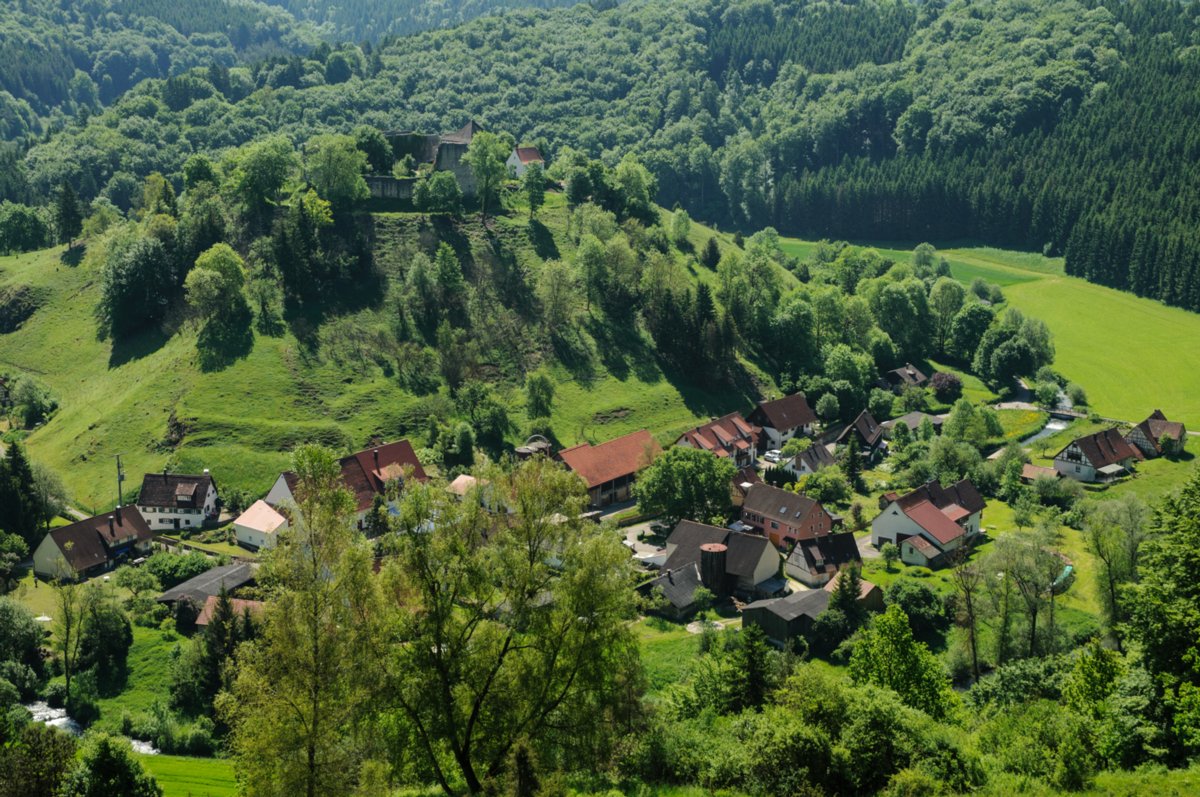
[
  {"x": 244, "y": 420},
  {"x": 181, "y": 776}
]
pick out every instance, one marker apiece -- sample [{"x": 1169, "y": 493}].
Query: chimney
[
  {"x": 112, "y": 529},
  {"x": 206, "y": 471},
  {"x": 375, "y": 453},
  {"x": 117, "y": 515}
]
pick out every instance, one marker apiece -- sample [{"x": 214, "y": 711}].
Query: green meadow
[
  {"x": 1132, "y": 355},
  {"x": 182, "y": 776}
]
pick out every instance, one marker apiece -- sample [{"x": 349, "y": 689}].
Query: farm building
[
  {"x": 258, "y": 527},
  {"x": 522, "y": 158},
  {"x": 784, "y": 619},
  {"x": 92, "y": 546},
  {"x": 814, "y": 562},
  {"x": 929, "y": 522},
  {"x": 1102, "y": 456},
  {"x": 610, "y": 469},
  {"x": 1157, "y": 437}
]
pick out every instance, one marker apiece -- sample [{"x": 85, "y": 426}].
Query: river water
[
  {"x": 57, "y": 718},
  {"x": 1052, "y": 426}
]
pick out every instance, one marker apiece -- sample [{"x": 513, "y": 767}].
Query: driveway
[{"x": 865, "y": 549}]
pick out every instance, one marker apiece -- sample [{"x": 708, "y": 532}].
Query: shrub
[
  {"x": 947, "y": 387},
  {"x": 56, "y": 694}
]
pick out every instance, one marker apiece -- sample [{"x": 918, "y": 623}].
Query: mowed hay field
[
  {"x": 1132, "y": 355},
  {"x": 181, "y": 776}
]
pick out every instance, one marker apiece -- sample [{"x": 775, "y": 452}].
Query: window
[{"x": 774, "y": 525}]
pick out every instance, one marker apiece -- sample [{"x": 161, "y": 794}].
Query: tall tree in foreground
[
  {"x": 1114, "y": 533},
  {"x": 505, "y": 630},
  {"x": 486, "y": 155},
  {"x": 298, "y": 702},
  {"x": 887, "y": 655},
  {"x": 68, "y": 216},
  {"x": 534, "y": 186}
]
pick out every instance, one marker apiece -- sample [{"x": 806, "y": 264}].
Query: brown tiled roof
[
  {"x": 1105, "y": 448},
  {"x": 1034, "y": 472},
  {"x": 1156, "y": 427},
  {"x": 865, "y": 588},
  {"x": 834, "y": 550},
  {"x": 239, "y": 607},
  {"x": 772, "y": 502},
  {"x": 174, "y": 490},
  {"x": 789, "y": 412},
  {"x": 908, "y": 375},
  {"x": 962, "y": 493},
  {"x": 613, "y": 459},
  {"x": 85, "y": 544},
  {"x": 529, "y": 155},
  {"x": 924, "y": 546},
  {"x": 869, "y": 431}
]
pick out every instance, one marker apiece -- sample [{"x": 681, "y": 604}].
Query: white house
[
  {"x": 92, "y": 545},
  {"x": 1095, "y": 457},
  {"x": 929, "y": 522},
  {"x": 522, "y": 158},
  {"x": 782, "y": 419},
  {"x": 810, "y": 460},
  {"x": 173, "y": 501},
  {"x": 258, "y": 527}
]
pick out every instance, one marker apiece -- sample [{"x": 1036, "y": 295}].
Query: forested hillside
[
  {"x": 368, "y": 20},
  {"x": 1058, "y": 126}
]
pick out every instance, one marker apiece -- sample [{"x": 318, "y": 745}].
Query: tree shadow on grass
[
  {"x": 128, "y": 348},
  {"x": 542, "y": 240},
  {"x": 225, "y": 339},
  {"x": 73, "y": 256}
]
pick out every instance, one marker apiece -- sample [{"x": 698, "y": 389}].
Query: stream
[
  {"x": 1053, "y": 426},
  {"x": 57, "y": 718}
]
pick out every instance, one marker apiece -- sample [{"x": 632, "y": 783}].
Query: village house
[
  {"x": 722, "y": 561},
  {"x": 810, "y": 460},
  {"x": 522, "y": 158},
  {"x": 240, "y": 606},
  {"x": 611, "y": 468},
  {"x": 380, "y": 471},
  {"x": 173, "y": 501},
  {"x": 743, "y": 480},
  {"x": 1031, "y": 473},
  {"x": 92, "y": 546},
  {"x": 784, "y": 517},
  {"x": 869, "y": 434},
  {"x": 785, "y": 619},
  {"x": 729, "y": 436},
  {"x": 1158, "y": 437},
  {"x": 1096, "y": 457},
  {"x": 909, "y": 376},
  {"x": 814, "y": 562},
  {"x": 259, "y": 526},
  {"x": 929, "y": 522},
  {"x": 782, "y": 419}
]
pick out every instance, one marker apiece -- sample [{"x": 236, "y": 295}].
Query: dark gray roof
[
  {"x": 834, "y": 550},
  {"x": 816, "y": 457},
  {"x": 810, "y": 602},
  {"x": 167, "y": 489},
  {"x": 772, "y": 502},
  {"x": 678, "y": 586},
  {"x": 745, "y": 552},
  {"x": 209, "y": 583},
  {"x": 689, "y": 536}
]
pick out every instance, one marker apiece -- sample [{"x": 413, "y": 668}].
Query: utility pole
[{"x": 120, "y": 478}]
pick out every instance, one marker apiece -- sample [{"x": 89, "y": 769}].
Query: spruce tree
[{"x": 68, "y": 217}]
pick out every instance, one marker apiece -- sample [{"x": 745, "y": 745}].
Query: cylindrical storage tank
[{"x": 712, "y": 567}]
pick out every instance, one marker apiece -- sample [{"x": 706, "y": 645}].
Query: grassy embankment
[{"x": 315, "y": 382}]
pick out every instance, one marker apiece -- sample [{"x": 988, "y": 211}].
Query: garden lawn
[
  {"x": 668, "y": 650},
  {"x": 182, "y": 776},
  {"x": 149, "y": 676}
]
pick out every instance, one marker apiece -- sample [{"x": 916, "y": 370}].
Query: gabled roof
[
  {"x": 261, "y": 517},
  {"x": 611, "y": 460},
  {"x": 1156, "y": 427},
  {"x": 913, "y": 421},
  {"x": 816, "y": 457},
  {"x": 934, "y": 521},
  {"x": 1035, "y": 472},
  {"x": 86, "y": 544},
  {"x": 687, "y": 537},
  {"x": 865, "y": 588},
  {"x": 746, "y": 478},
  {"x": 174, "y": 490},
  {"x": 720, "y": 435},
  {"x": 908, "y": 375},
  {"x": 464, "y": 134},
  {"x": 783, "y": 414},
  {"x": 833, "y": 551},
  {"x": 1104, "y": 448},
  {"x": 772, "y": 502},
  {"x": 924, "y": 547},
  {"x": 744, "y": 553},
  {"x": 209, "y": 583},
  {"x": 678, "y": 586},
  {"x": 529, "y": 155},
  {"x": 809, "y": 602},
  {"x": 869, "y": 431},
  {"x": 367, "y": 472}
]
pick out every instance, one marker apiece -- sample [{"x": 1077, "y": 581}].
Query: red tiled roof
[
  {"x": 934, "y": 521},
  {"x": 962, "y": 493},
  {"x": 956, "y": 512},
  {"x": 721, "y": 434},
  {"x": 1105, "y": 448},
  {"x": 923, "y": 545},
  {"x": 613, "y": 459},
  {"x": 365, "y": 473}
]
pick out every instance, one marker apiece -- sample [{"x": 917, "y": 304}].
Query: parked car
[
  {"x": 773, "y": 456},
  {"x": 659, "y": 528}
]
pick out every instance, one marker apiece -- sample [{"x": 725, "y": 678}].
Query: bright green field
[
  {"x": 1132, "y": 355},
  {"x": 180, "y": 776}
]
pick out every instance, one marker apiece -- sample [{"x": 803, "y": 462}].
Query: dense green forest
[{"x": 1060, "y": 126}]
